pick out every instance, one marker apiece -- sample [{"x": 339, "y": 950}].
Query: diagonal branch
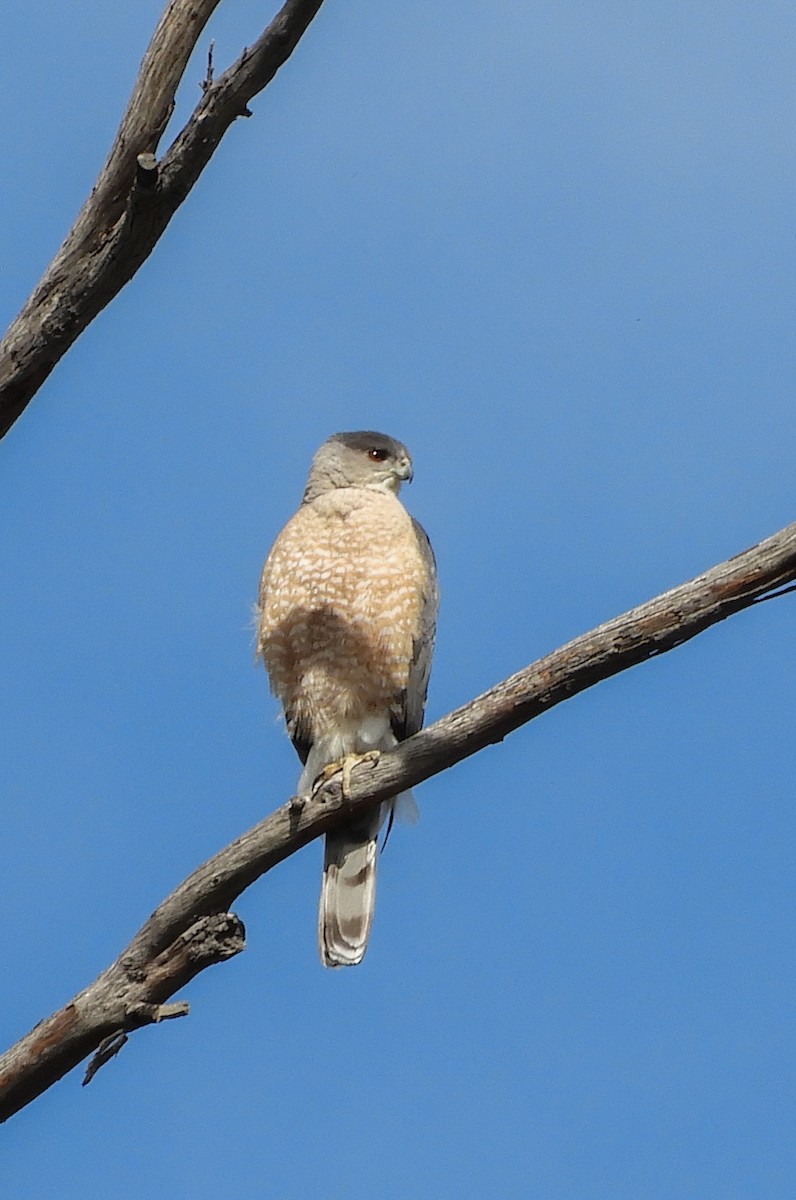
[
  {"x": 192, "y": 928},
  {"x": 134, "y": 197}
]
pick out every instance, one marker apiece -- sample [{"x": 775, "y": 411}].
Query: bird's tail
[{"x": 348, "y": 891}]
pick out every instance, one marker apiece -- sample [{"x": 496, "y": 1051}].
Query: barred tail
[{"x": 348, "y": 892}]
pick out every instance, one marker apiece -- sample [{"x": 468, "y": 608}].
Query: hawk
[{"x": 347, "y": 613}]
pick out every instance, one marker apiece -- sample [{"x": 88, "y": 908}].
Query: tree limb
[
  {"x": 133, "y": 201},
  {"x": 192, "y": 928}
]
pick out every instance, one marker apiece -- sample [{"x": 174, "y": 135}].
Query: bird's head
[{"x": 363, "y": 459}]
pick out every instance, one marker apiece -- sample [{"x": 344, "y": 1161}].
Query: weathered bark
[
  {"x": 192, "y": 928},
  {"x": 135, "y": 197}
]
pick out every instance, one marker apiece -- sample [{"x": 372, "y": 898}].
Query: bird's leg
[{"x": 345, "y": 764}]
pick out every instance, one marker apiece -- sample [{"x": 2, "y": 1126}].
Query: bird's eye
[{"x": 377, "y": 454}]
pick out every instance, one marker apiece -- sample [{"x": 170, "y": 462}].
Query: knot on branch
[
  {"x": 211, "y": 939},
  {"x": 215, "y": 938}
]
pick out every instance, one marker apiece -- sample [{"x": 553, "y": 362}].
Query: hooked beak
[{"x": 404, "y": 470}]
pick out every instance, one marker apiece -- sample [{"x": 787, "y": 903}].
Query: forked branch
[
  {"x": 192, "y": 928},
  {"x": 136, "y": 196}
]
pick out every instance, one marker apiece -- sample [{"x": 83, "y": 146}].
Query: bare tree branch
[
  {"x": 192, "y": 928},
  {"x": 134, "y": 197}
]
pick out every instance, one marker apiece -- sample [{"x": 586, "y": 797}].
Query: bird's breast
[{"x": 340, "y": 607}]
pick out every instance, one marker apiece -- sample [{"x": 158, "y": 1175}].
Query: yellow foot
[{"x": 346, "y": 765}]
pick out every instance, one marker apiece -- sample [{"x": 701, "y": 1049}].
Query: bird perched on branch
[{"x": 347, "y": 612}]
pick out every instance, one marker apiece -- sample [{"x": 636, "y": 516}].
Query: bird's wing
[{"x": 408, "y": 715}]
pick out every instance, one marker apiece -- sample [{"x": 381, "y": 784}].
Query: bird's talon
[
  {"x": 345, "y": 765},
  {"x": 353, "y": 760}
]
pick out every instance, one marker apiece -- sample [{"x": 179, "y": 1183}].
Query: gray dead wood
[
  {"x": 193, "y": 929},
  {"x": 136, "y": 196}
]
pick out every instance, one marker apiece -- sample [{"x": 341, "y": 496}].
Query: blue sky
[{"x": 551, "y": 247}]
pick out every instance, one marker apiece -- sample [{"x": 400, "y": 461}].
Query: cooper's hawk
[{"x": 348, "y": 606}]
